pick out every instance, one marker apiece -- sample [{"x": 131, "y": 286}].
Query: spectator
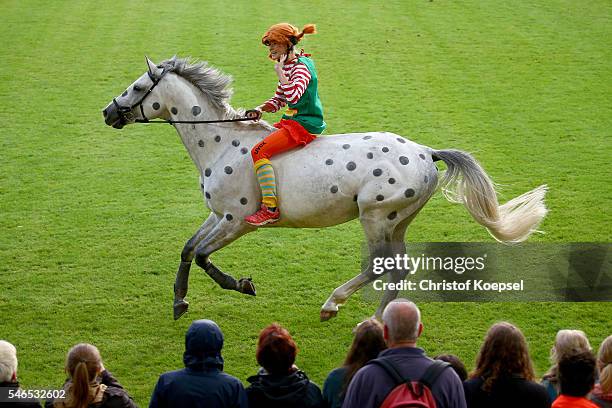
[
  {"x": 576, "y": 374},
  {"x": 8, "y": 378},
  {"x": 402, "y": 328},
  {"x": 202, "y": 383},
  {"x": 455, "y": 363},
  {"x": 567, "y": 342},
  {"x": 368, "y": 342},
  {"x": 279, "y": 383},
  {"x": 602, "y": 393},
  {"x": 89, "y": 384},
  {"x": 504, "y": 373}
]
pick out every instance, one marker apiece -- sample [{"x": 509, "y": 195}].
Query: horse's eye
[{"x": 137, "y": 88}]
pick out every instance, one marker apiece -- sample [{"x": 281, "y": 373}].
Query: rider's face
[{"x": 276, "y": 50}]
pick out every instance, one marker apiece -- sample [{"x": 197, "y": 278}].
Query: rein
[{"x": 126, "y": 115}]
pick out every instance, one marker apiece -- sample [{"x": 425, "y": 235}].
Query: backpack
[{"x": 406, "y": 392}]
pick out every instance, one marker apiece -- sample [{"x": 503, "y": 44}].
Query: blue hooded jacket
[{"x": 202, "y": 383}]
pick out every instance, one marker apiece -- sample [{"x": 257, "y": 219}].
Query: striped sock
[{"x": 267, "y": 182}]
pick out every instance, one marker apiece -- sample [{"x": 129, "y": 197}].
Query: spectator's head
[
  {"x": 203, "y": 344},
  {"x": 367, "y": 343},
  {"x": 568, "y": 342},
  {"x": 577, "y": 373},
  {"x": 455, "y": 363},
  {"x": 8, "y": 362},
  {"x": 276, "y": 350},
  {"x": 504, "y": 353},
  {"x": 402, "y": 323},
  {"x": 83, "y": 364},
  {"x": 604, "y": 365}
]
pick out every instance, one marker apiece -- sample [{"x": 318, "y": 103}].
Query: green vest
[{"x": 309, "y": 109}]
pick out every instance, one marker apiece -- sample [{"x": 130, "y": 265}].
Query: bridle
[{"x": 126, "y": 114}]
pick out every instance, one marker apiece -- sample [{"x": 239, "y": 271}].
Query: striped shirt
[{"x": 299, "y": 77}]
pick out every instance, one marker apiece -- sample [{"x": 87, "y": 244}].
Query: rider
[{"x": 301, "y": 122}]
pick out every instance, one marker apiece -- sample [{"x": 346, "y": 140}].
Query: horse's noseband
[{"x": 126, "y": 114}]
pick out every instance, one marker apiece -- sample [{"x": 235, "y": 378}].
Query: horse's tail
[{"x": 467, "y": 183}]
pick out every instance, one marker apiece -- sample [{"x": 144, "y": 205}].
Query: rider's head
[{"x": 281, "y": 38}]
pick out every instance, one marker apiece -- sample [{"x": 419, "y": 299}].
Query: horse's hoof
[
  {"x": 246, "y": 286},
  {"x": 327, "y": 314},
  {"x": 180, "y": 308}
]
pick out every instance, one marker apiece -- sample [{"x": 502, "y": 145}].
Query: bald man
[{"x": 402, "y": 328}]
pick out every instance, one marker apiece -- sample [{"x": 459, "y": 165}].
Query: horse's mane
[{"x": 212, "y": 82}]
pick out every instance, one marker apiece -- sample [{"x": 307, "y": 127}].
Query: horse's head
[{"x": 139, "y": 102}]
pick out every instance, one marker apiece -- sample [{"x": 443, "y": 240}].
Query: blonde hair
[
  {"x": 8, "y": 361},
  {"x": 604, "y": 364},
  {"x": 82, "y": 365},
  {"x": 566, "y": 342}
]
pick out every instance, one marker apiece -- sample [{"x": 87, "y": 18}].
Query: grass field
[{"x": 93, "y": 220}]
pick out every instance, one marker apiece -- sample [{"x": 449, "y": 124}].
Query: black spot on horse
[
  {"x": 385, "y": 149},
  {"x": 124, "y": 93},
  {"x": 229, "y": 217},
  {"x": 201, "y": 143},
  {"x": 346, "y": 146},
  {"x": 426, "y": 179},
  {"x": 207, "y": 194},
  {"x": 156, "y": 105},
  {"x": 329, "y": 162},
  {"x": 367, "y": 137},
  {"x": 409, "y": 193},
  {"x": 244, "y": 150},
  {"x": 244, "y": 201},
  {"x": 196, "y": 110},
  {"x": 350, "y": 166},
  {"x": 207, "y": 172},
  {"x": 380, "y": 197},
  {"x": 422, "y": 156},
  {"x": 370, "y": 155},
  {"x": 401, "y": 140},
  {"x": 377, "y": 172},
  {"x": 228, "y": 170},
  {"x": 174, "y": 110},
  {"x": 334, "y": 189},
  {"x": 235, "y": 142},
  {"x": 217, "y": 138},
  {"x": 392, "y": 215},
  {"x": 404, "y": 160},
  {"x": 391, "y": 180}
]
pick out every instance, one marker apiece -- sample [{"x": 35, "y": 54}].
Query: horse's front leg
[
  {"x": 224, "y": 233},
  {"x": 181, "y": 283}
]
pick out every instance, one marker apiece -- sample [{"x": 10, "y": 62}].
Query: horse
[{"x": 381, "y": 178}]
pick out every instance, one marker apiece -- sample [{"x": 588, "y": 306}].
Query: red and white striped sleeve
[
  {"x": 276, "y": 102},
  {"x": 299, "y": 79}
]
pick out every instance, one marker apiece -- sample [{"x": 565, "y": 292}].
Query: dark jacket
[
  {"x": 202, "y": 383},
  {"x": 23, "y": 403},
  {"x": 114, "y": 395},
  {"x": 371, "y": 384},
  {"x": 333, "y": 387},
  {"x": 283, "y": 391},
  {"x": 507, "y": 392}
]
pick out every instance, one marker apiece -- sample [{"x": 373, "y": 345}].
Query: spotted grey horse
[{"x": 379, "y": 177}]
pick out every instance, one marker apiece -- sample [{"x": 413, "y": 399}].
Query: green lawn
[{"x": 93, "y": 220}]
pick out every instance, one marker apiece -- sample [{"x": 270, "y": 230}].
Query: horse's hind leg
[
  {"x": 398, "y": 247},
  {"x": 378, "y": 233},
  {"x": 181, "y": 282}
]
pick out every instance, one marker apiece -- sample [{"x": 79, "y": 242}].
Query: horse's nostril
[{"x": 104, "y": 112}]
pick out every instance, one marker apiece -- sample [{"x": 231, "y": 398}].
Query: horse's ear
[{"x": 153, "y": 70}]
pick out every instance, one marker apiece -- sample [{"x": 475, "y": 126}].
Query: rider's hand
[
  {"x": 253, "y": 114},
  {"x": 278, "y": 67}
]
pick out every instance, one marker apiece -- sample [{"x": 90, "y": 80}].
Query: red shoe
[{"x": 263, "y": 217}]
